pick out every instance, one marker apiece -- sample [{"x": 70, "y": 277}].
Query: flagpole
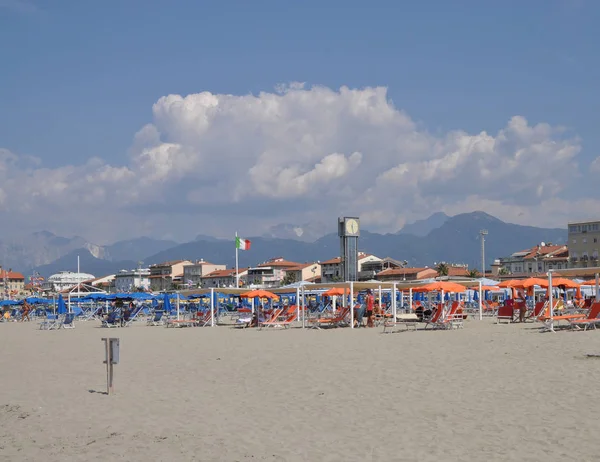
[{"x": 237, "y": 273}]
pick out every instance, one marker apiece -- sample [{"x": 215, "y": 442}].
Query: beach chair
[
  {"x": 112, "y": 320},
  {"x": 51, "y": 322},
  {"x": 204, "y": 319},
  {"x": 436, "y": 318},
  {"x": 68, "y": 321},
  {"x": 505, "y": 313},
  {"x": 134, "y": 315},
  {"x": 406, "y": 320},
  {"x": 448, "y": 319},
  {"x": 157, "y": 320},
  {"x": 591, "y": 319},
  {"x": 334, "y": 321},
  {"x": 292, "y": 315}
]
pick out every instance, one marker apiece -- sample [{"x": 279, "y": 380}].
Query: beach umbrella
[
  {"x": 167, "y": 303},
  {"x": 531, "y": 282},
  {"x": 259, "y": 293},
  {"x": 62, "y": 307},
  {"x": 509, "y": 283},
  {"x": 334, "y": 292},
  {"x": 446, "y": 286}
]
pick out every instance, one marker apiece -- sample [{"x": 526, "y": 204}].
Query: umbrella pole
[
  {"x": 212, "y": 307},
  {"x": 394, "y": 307},
  {"x": 351, "y": 304},
  {"x": 551, "y": 300},
  {"x": 480, "y": 303}
]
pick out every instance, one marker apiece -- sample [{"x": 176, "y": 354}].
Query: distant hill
[
  {"x": 455, "y": 240},
  {"x": 27, "y": 251},
  {"x": 137, "y": 249},
  {"x": 424, "y": 227},
  {"x": 87, "y": 263}
]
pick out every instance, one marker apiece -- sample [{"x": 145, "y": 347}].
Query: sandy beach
[{"x": 486, "y": 392}]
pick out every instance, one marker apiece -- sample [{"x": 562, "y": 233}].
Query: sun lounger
[
  {"x": 51, "y": 322},
  {"x": 591, "y": 320},
  {"x": 68, "y": 322},
  {"x": 292, "y": 315},
  {"x": 157, "y": 320},
  {"x": 112, "y": 320},
  {"x": 334, "y": 321},
  {"x": 402, "y": 320}
]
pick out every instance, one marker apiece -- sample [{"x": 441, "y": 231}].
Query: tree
[
  {"x": 442, "y": 269},
  {"x": 288, "y": 279},
  {"x": 503, "y": 272},
  {"x": 474, "y": 273}
]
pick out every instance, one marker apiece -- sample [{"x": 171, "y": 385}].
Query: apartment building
[
  {"x": 584, "y": 242},
  {"x": 310, "y": 272},
  {"x": 164, "y": 276},
  {"x": 537, "y": 259},
  {"x": 224, "y": 278},
  {"x": 132, "y": 280},
  {"x": 193, "y": 274},
  {"x": 270, "y": 273},
  {"x": 331, "y": 270}
]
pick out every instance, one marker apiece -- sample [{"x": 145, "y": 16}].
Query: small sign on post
[{"x": 111, "y": 348}]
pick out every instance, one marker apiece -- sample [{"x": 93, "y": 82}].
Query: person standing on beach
[{"x": 370, "y": 306}]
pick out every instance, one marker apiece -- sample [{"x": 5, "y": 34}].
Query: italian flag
[{"x": 242, "y": 244}]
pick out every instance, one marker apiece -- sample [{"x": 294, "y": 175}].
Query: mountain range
[{"x": 423, "y": 243}]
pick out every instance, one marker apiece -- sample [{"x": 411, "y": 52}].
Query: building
[
  {"x": 65, "y": 280},
  {"x": 193, "y": 274},
  {"x": 370, "y": 269},
  {"x": 224, "y": 278},
  {"x": 164, "y": 276},
  {"x": 11, "y": 283},
  {"x": 310, "y": 272},
  {"x": 270, "y": 273},
  {"x": 406, "y": 274},
  {"x": 538, "y": 259},
  {"x": 331, "y": 270},
  {"x": 584, "y": 242},
  {"x": 132, "y": 280}
]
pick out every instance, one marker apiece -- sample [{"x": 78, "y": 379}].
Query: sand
[{"x": 484, "y": 393}]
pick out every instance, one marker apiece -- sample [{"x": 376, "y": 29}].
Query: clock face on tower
[{"x": 351, "y": 226}]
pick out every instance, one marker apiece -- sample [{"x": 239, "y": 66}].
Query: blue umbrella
[
  {"x": 62, "y": 308},
  {"x": 167, "y": 303}
]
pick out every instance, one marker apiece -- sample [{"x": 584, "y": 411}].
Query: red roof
[
  {"x": 333, "y": 261},
  {"x": 540, "y": 251},
  {"x": 280, "y": 263},
  {"x": 11, "y": 275},
  {"x": 168, "y": 263},
  {"x": 404, "y": 271},
  {"x": 224, "y": 273}
]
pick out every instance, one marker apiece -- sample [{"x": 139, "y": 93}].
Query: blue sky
[{"x": 79, "y": 79}]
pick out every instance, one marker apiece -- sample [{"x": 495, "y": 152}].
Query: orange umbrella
[
  {"x": 530, "y": 282},
  {"x": 476, "y": 287},
  {"x": 509, "y": 283},
  {"x": 260, "y": 294},
  {"x": 446, "y": 286},
  {"x": 333, "y": 292},
  {"x": 565, "y": 282}
]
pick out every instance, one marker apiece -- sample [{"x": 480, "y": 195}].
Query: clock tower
[{"x": 349, "y": 231}]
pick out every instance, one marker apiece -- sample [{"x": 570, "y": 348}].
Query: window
[
  {"x": 585, "y": 240},
  {"x": 595, "y": 240},
  {"x": 574, "y": 241}
]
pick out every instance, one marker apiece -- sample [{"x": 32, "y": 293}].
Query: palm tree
[
  {"x": 442, "y": 269},
  {"x": 473, "y": 274}
]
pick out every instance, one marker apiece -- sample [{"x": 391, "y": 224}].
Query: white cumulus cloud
[{"x": 213, "y": 163}]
